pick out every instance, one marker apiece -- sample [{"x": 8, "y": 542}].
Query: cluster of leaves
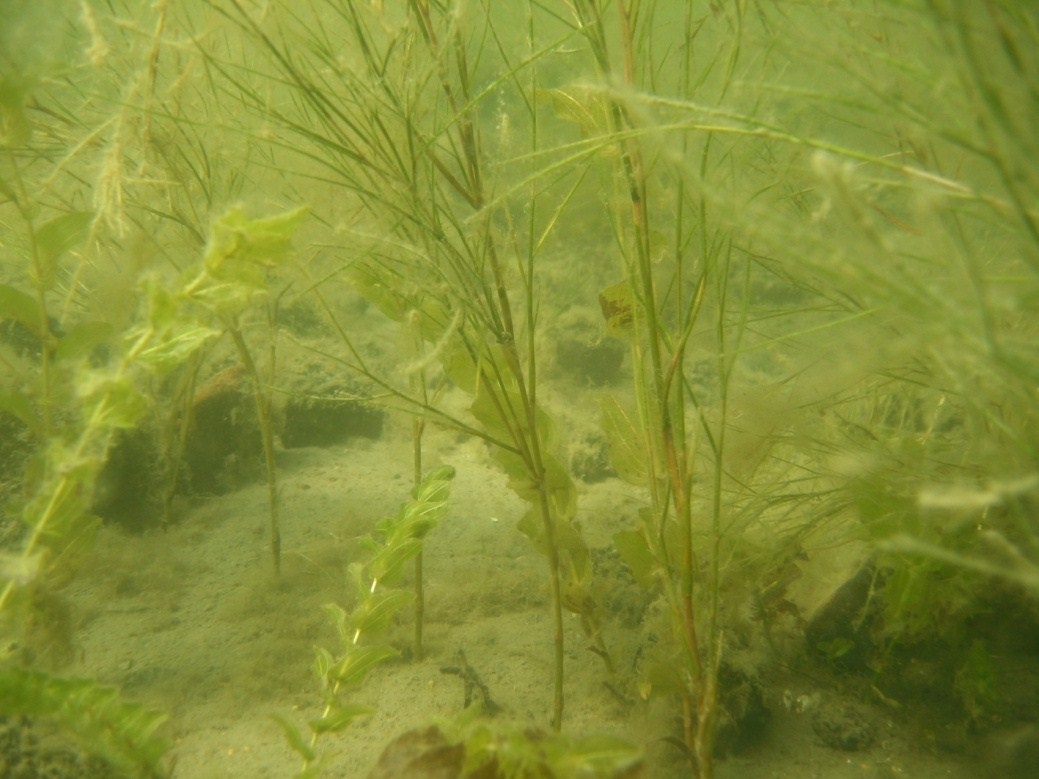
[
  {"x": 124, "y": 734},
  {"x": 240, "y": 257},
  {"x": 236, "y": 272},
  {"x": 80, "y": 387},
  {"x": 506, "y": 751},
  {"x": 72, "y": 378},
  {"x": 396, "y": 541}
]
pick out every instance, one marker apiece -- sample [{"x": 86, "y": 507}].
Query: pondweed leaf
[
  {"x": 490, "y": 400},
  {"x": 388, "y": 564},
  {"x": 568, "y": 541},
  {"x": 375, "y": 611},
  {"x": 626, "y": 442},
  {"x": 169, "y": 335},
  {"x": 580, "y": 105},
  {"x": 294, "y": 737},
  {"x": 110, "y": 398},
  {"x": 339, "y": 618},
  {"x": 239, "y": 254},
  {"x": 556, "y": 482},
  {"x": 435, "y": 486},
  {"x": 379, "y": 288},
  {"x": 323, "y": 662},
  {"x": 240, "y": 249},
  {"x": 591, "y": 755},
  {"x": 340, "y": 717},
  {"x": 359, "y": 660},
  {"x": 165, "y": 353},
  {"x": 635, "y": 552},
  {"x": 19, "y": 569},
  {"x": 121, "y": 732}
]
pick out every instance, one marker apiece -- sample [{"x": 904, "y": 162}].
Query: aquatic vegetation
[
  {"x": 806, "y": 233},
  {"x": 122, "y": 733},
  {"x": 235, "y": 272},
  {"x": 416, "y": 158},
  {"x": 71, "y": 390},
  {"x": 397, "y": 539}
]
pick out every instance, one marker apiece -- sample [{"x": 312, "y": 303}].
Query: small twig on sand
[{"x": 472, "y": 681}]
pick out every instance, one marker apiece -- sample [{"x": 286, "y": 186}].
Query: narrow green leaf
[
  {"x": 340, "y": 717},
  {"x": 374, "y": 612},
  {"x": 388, "y": 564},
  {"x": 294, "y": 737},
  {"x": 359, "y": 660},
  {"x": 338, "y": 617}
]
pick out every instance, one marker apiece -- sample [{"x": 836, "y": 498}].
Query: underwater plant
[
  {"x": 233, "y": 275},
  {"x": 70, "y": 433},
  {"x": 804, "y": 368},
  {"x": 810, "y": 229},
  {"x": 496, "y": 749},
  {"x": 71, "y": 441},
  {"x": 704, "y": 232},
  {"x": 397, "y": 539},
  {"x": 411, "y": 149},
  {"x": 76, "y": 373}
]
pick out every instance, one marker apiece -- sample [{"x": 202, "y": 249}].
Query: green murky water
[{"x": 574, "y": 389}]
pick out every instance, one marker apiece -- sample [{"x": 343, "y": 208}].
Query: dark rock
[
  {"x": 844, "y": 727},
  {"x": 420, "y": 754},
  {"x": 223, "y": 448},
  {"x": 326, "y": 420},
  {"x": 127, "y": 488},
  {"x": 839, "y": 631},
  {"x": 743, "y": 716}
]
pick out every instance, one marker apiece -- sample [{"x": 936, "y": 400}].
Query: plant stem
[
  {"x": 262, "y": 401},
  {"x": 417, "y": 427}
]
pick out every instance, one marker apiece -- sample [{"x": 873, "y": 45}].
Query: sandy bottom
[{"x": 192, "y": 621}]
